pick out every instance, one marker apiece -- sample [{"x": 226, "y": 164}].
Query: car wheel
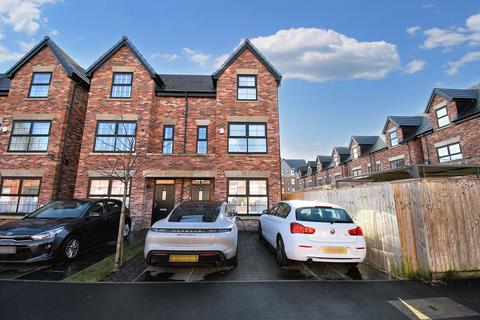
[
  {"x": 71, "y": 248},
  {"x": 232, "y": 262},
  {"x": 126, "y": 230},
  {"x": 259, "y": 231},
  {"x": 281, "y": 256}
]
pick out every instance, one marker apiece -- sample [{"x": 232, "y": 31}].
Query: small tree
[{"x": 122, "y": 139}]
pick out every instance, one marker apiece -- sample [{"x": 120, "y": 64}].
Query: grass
[{"x": 103, "y": 268}]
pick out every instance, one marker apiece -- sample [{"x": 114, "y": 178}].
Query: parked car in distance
[
  {"x": 195, "y": 232},
  {"x": 60, "y": 230},
  {"x": 312, "y": 231}
]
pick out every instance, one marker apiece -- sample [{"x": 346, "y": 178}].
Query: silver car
[{"x": 195, "y": 232}]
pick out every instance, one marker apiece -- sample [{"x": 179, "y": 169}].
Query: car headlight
[{"x": 50, "y": 234}]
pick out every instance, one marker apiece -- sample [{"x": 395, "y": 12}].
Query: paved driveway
[{"x": 256, "y": 262}]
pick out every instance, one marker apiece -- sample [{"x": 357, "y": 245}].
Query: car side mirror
[{"x": 265, "y": 211}]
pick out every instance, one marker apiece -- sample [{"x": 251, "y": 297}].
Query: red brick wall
[
  {"x": 156, "y": 111},
  {"x": 18, "y": 102}
]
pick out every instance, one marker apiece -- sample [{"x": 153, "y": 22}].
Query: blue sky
[{"x": 347, "y": 65}]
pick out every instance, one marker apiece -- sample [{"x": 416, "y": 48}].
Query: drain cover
[{"x": 432, "y": 308}]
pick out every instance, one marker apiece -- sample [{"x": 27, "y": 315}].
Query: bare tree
[{"x": 122, "y": 149}]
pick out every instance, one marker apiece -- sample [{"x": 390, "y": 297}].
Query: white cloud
[
  {"x": 165, "y": 56},
  {"x": 454, "y": 66},
  {"x": 6, "y": 55},
  {"x": 54, "y": 33},
  {"x": 414, "y": 66},
  {"x": 197, "y": 56},
  {"x": 26, "y": 45},
  {"x": 22, "y": 15},
  {"x": 413, "y": 30},
  {"x": 314, "y": 54},
  {"x": 218, "y": 61},
  {"x": 453, "y": 36}
]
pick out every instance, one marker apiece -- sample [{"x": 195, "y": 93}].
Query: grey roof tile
[
  {"x": 296, "y": 163},
  {"x": 189, "y": 83}
]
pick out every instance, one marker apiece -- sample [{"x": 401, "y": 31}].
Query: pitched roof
[
  {"x": 124, "y": 42},
  {"x": 324, "y": 159},
  {"x": 365, "y": 139},
  {"x": 71, "y": 67},
  {"x": 178, "y": 84},
  {"x": 342, "y": 150},
  {"x": 295, "y": 163},
  {"x": 378, "y": 145},
  {"x": 466, "y": 111},
  {"x": 244, "y": 46},
  {"x": 418, "y": 125},
  {"x": 302, "y": 170},
  {"x": 452, "y": 94}
]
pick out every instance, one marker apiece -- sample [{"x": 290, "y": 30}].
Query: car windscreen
[
  {"x": 200, "y": 211},
  {"x": 61, "y": 209},
  {"x": 323, "y": 214}
]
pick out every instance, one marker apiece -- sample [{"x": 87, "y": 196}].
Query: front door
[
  {"x": 163, "y": 201},
  {"x": 200, "y": 192}
]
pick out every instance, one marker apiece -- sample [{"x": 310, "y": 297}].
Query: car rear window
[
  {"x": 201, "y": 211},
  {"x": 323, "y": 214}
]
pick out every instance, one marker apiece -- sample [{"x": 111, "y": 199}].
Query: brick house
[
  {"x": 43, "y": 98},
  {"x": 289, "y": 166},
  {"x": 445, "y": 134},
  {"x": 205, "y": 136}
]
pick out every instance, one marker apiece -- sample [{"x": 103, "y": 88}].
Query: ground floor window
[
  {"x": 357, "y": 172},
  {"x": 248, "y": 196},
  {"x": 399, "y": 163},
  {"x": 108, "y": 188},
  {"x": 19, "y": 195},
  {"x": 449, "y": 153}
]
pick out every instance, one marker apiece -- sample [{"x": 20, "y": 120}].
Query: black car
[{"x": 60, "y": 229}]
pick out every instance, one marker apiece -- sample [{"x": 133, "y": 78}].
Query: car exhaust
[{"x": 309, "y": 261}]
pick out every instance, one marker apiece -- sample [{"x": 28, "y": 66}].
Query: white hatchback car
[
  {"x": 195, "y": 232},
  {"x": 312, "y": 231}
]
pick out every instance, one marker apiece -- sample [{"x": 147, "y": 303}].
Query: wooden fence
[{"x": 425, "y": 227}]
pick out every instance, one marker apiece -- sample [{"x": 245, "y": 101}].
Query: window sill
[
  {"x": 444, "y": 127},
  {"x": 182, "y": 154},
  {"x": 119, "y": 99},
  {"x": 36, "y": 99},
  {"x": 111, "y": 154},
  {"x": 248, "y": 101},
  {"x": 247, "y": 154}
]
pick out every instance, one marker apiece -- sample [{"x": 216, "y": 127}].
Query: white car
[
  {"x": 195, "y": 232},
  {"x": 312, "y": 231}
]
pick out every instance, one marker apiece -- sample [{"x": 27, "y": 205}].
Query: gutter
[{"x": 67, "y": 129}]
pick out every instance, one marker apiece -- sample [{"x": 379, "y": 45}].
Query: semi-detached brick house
[
  {"x": 445, "y": 134},
  {"x": 207, "y": 136},
  {"x": 43, "y": 99}
]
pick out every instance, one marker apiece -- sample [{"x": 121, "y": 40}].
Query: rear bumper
[
  {"x": 301, "y": 250},
  {"x": 161, "y": 257}
]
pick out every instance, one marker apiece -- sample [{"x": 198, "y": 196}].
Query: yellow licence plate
[
  {"x": 334, "y": 250},
  {"x": 183, "y": 258}
]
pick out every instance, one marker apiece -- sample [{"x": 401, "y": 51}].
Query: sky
[{"x": 346, "y": 65}]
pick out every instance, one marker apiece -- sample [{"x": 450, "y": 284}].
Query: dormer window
[
  {"x": 442, "y": 117},
  {"x": 122, "y": 85},
  {"x": 393, "y": 138},
  {"x": 355, "y": 152},
  {"x": 336, "y": 161},
  {"x": 40, "y": 85},
  {"x": 247, "y": 87}
]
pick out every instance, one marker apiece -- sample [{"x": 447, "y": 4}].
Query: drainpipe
[
  {"x": 185, "y": 128},
  {"x": 67, "y": 129},
  {"x": 428, "y": 151}
]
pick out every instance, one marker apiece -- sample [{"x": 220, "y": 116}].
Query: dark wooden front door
[
  {"x": 200, "y": 192},
  {"x": 163, "y": 201}
]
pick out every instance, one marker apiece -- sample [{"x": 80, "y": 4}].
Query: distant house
[{"x": 289, "y": 166}]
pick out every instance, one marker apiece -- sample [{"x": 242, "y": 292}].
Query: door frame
[{"x": 159, "y": 185}]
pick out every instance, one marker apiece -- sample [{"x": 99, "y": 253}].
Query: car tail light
[
  {"x": 356, "y": 232},
  {"x": 299, "y": 228}
]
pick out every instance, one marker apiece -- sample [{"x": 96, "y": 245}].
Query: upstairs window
[
  {"x": 115, "y": 136},
  {"x": 399, "y": 163},
  {"x": 378, "y": 167},
  {"x": 336, "y": 160},
  {"x": 122, "y": 85},
  {"x": 40, "y": 85},
  {"x": 369, "y": 168},
  {"x": 247, "y": 138},
  {"x": 449, "y": 153},
  {"x": 442, "y": 117},
  {"x": 393, "y": 138},
  {"x": 202, "y": 139},
  {"x": 355, "y": 152},
  {"x": 29, "y": 136},
  {"x": 247, "y": 88},
  {"x": 167, "y": 145}
]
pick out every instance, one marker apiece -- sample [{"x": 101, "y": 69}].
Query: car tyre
[
  {"x": 281, "y": 256},
  {"x": 259, "y": 231},
  {"x": 233, "y": 262},
  {"x": 126, "y": 230},
  {"x": 71, "y": 248}
]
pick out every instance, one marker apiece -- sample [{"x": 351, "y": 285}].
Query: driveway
[
  {"x": 60, "y": 271},
  {"x": 256, "y": 262}
]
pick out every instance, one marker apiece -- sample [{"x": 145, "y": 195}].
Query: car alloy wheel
[
  {"x": 126, "y": 230},
  {"x": 281, "y": 256},
  {"x": 259, "y": 232},
  {"x": 71, "y": 248}
]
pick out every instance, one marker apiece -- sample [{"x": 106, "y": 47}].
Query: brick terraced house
[
  {"x": 43, "y": 100},
  {"x": 445, "y": 134},
  {"x": 289, "y": 166},
  {"x": 203, "y": 136}
]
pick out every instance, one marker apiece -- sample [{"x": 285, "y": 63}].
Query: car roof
[{"x": 308, "y": 203}]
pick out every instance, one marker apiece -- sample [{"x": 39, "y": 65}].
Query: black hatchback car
[{"x": 60, "y": 229}]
